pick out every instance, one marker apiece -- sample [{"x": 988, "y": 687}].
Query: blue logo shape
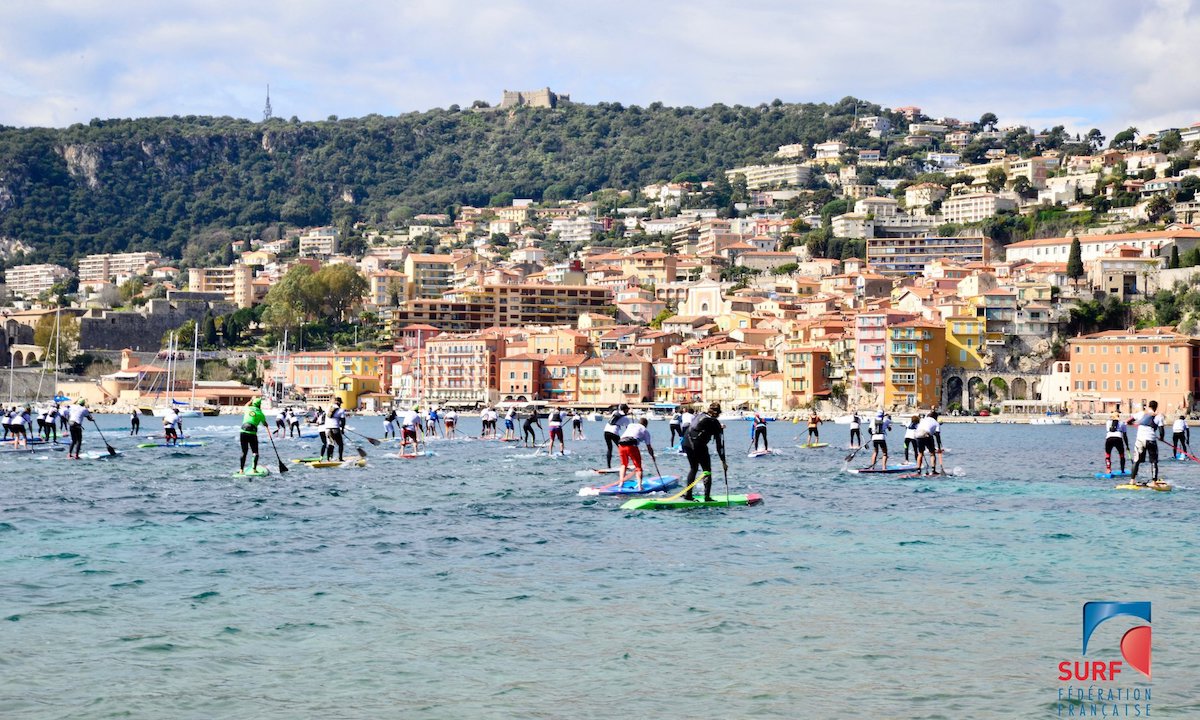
[{"x": 1095, "y": 613}]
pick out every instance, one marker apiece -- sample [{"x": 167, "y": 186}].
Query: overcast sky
[{"x": 1082, "y": 63}]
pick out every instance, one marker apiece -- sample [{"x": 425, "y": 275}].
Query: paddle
[
  {"x": 361, "y": 453},
  {"x": 282, "y": 468},
  {"x": 1188, "y": 454},
  {"x": 371, "y": 440},
  {"x": 111, "y": 451},
  {"x": 725, "y": 472},
  {"x": 851, "y": 456}
]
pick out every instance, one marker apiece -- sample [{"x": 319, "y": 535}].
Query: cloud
[{"x": 1105, "y": 62}]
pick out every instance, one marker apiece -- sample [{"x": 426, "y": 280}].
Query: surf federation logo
[{"x": 1102, "y": 696}]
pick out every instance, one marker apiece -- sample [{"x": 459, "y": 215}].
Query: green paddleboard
[
  {"x": 671, "y": 504},
  {"x": 253, "y": 472}
]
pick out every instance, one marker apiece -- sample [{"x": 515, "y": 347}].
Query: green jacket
[{"x": 252, "y": 418}]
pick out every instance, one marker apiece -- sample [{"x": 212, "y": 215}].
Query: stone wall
[{"x": 143, "y": 330}]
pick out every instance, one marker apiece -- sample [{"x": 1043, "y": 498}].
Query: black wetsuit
[
  {"x": 1115, "y": 439},
  {"x": 527, "y": 428},
  {"x": 760, "y": 431},
  {"x": 855, "y": 432},
  {"x": 704, "y": 428},
  {"x": 618, "y": 421},
  {"x": 135, "y": 424}
]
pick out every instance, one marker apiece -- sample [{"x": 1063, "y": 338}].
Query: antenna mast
[{"x": 267, "y": 108}]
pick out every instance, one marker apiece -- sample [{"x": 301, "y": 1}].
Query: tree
[
  {"x": 1173, "y": 263},
  {"x": 786, "y": 269},
  {"x": 1022, "y": 186},
  {"x": 58, "y": 338},
  {"x": 988, "y": 120},
  {"x": 1158, "y": 206},
  {"x": 208, "y": 332},
  {"x": 1170, "y": 141},
  {"x": 338, "y": 288},
  {"x": 996, "y": 179},
  {"x": 288, "y": 302},
  {"x": 1075, "y": 261},
  {"x": 131, "y": 288},
  {"x": 661, "y": 317},
  {"x": 1126, "y": 139},
  {"x": 1095, "y": 139}
]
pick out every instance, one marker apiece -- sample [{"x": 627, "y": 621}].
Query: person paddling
[
  {"x": 528, "y": 436},
  {"x": 676, "y": 426},
  {"x": 929, "y": 440},
  {"x": 1149, "y": 429},
  {"x": 293, "y": 424},
  {"x": 409, "y": 422},
  {"x": 172, "y": 426},
  {"x": 910, "y": 436},
  {"x": 75, "y": 415},
  {"x": 451, "y": 424},
  {"x": 704, "y": 428},
  {"x": 814, "y": 435},
  {"x": 855, "y": 431},
  {"x": 135, "y": 423},
  {"x": 612, "y": 431},
  {"x": 251, "y": 419},
  {"x": 1115, "y": 438},
  {"x": 759, "y": 430},
  {"x": 576, "y": 425},
  {"x": 389, "y": 424},
  {"x": 555, "y": 423},
  {"x": 1181, "y": 435},
  {"x": 878, "y": 429},
  {"x": 633, "y": 434},
  {"x": 335, "y": 425}
]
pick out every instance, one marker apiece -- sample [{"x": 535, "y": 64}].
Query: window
[
  {"x": 962, "y": 355},
  {"x": 1143, "y": 384},
  {"x": 1118, "y": 384},
  {"x": 512, "y": 375}
]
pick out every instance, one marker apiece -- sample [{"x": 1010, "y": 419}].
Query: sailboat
[{"x": 185, "y": 410}]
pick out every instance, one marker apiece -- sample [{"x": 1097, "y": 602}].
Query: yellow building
[
  {"x": 916, "y": 354},
  {"x": 965, "y": 342}
]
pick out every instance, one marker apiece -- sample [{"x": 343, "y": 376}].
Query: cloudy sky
[{"x": 1083, "y": 63}]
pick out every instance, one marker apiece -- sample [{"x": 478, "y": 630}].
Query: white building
[
  {"x": 831, "y": 150},
  {"x": 795, "y": 150},
  {"x": 575, "y": 230},
  {"x": 763, "y": 177},
  {"x": 29, "y": 281},
  {"x": 111, "y": 267},
  {"x": 319, "y": 242},
  {"x": 974, "y": 207}
]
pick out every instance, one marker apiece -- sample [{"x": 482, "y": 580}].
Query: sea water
[{"x": 476, "y": 583}]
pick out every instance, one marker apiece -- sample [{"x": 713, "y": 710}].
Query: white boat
[{"x": 1051, "y": 420}]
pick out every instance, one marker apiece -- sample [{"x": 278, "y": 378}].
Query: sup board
[
  {"x": 1112, "y": 475},
  {"x": 629, "y": 487},
  {"x": 1161, "y": 486},
  {"x": 93, "y": 455},
  {"x": 39, "y": 447},
  {"x": 308, "y": 460},
  {"x": 606, "y": 471},
  {"x": 880, "y": 471},
  {"x": 671, "y": 504},
  {"x": 320, "y": 464},
  {"x": 253, "y": 472},
  {"x": 763, "y": 453},
  {"x": 409, "y": 456},
  {"x": 165, "y": 445},
  {"x": 814, "y": 445}
]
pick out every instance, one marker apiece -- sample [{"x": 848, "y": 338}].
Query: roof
[{"x": 1115, "y": 237}]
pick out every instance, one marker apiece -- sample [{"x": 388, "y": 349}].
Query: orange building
[
  {"x": 560, "y": 377},
  {"x": 805, "y": 371},
  {"x": 461, "y": 370},
  {"x": 559, "y": 341},
  {"x": 1119, "y": 370},
  {"x": 521, "y": 377},
  {"x": 916, "y": 354}
]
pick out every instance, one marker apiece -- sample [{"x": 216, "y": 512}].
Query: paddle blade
[
  {"x": 361, "y": 453},
  {"x": 282, "y": 467},
  {"x": 111, "y": 451},
  {"x": 372, "y": 440}
]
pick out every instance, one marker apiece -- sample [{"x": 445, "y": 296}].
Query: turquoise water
[{"x": 476, "y": 583}]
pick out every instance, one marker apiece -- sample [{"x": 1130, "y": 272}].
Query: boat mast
[{"x": 195, "y": 351}]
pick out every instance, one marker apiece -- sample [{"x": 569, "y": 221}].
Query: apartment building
[
  {"x": 974, "y": 207},
  {"x": 916, "y": 356},
  {"x": 805, "y": 370},
  {"x": 1150, "y": 243},
  {"x": 234, "y": 282},
  {"x": 910, "y": 256},
  {"x": 319, "y": 242},
  {"x": 29, "y": 281},
  {"x": 429, "y": 276},
  {"x": 1120, "y": 370},
  {"x": 871, "y": 345},
  {"x": 461, "y": 370},
  {"x": 116, "y": 267},
  {"x": 519, "y": 305},
  {"x": 321, "y": 376},
  {"x": 966, "y": 342},
  {"x": 763, "y": 177},
  {"x": 575, "y": 230}
]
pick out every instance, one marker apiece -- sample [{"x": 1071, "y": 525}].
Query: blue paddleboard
[{"x": 629, "y": 487}]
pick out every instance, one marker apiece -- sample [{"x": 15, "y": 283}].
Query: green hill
[{"x": 162, "y": 183}]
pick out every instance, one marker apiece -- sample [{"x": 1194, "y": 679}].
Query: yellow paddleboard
[{"x": 1161, "y": 486}]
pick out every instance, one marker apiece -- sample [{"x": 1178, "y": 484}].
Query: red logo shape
[{"x": 1135, "y": 648}]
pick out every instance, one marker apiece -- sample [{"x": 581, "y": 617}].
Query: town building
[
  {"x": 29, "y": 281},
  {"x": 319, "y": 242},
  {"x": 115, "y": 267},
  {"x": 428, "y": 275},
  {"x": 910, "y": 256},
  {"x": 478, "y": 308},
  {"x": 461, "y": 370},
  {"x": 974, "y": 207},
  {"x": 1122, "y": 370},
  {"x": 1150, "y": 243},
  {"x": 805, "y": 371},
  {"x": 764, "y": 177},
  {"x": 234, "y": 283},
  {"x": 915, "y": 357}
]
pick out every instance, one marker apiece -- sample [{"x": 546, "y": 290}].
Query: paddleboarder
[
  {"x": 634, "y": 433},
  {"x": 576, "y": 425},
  {"x": 335, "y": 424},
  {"x": 527, "y": 428},
  {"x": 248, "y": 437},
  {"x": 1149, "y": 429},
  {"x": 676, "y": 426},
  {"x": 759, "y": 430},
  {"x": 389, "y": 424},
  {"x": 555, "y": 423},
  {"x": 910, "y": 436},
  {"x": 172, "y": 426},
  {"x": 929, "y": 440},
  {"x": 319, "y": 421},
  {"x": 293, "y": 424},
  {"x": 20, "y": 426},
  {"x": 52, "y": 421},
  {"x": 75, "y": 415},
  {"x": 1181, "y": 435},
  {"x": 510, "y": 424},
  {"x": 135, "y": 422},
  {"x": 878, "y": 428},
  {"x": 855, "y": 431},
  {"x": 409, "y": 422},
  {"x": 814, "y": 435},
  {"x": 451, "y": 424},
  {"x": 1115, "y": 438},
  {"x": 612, "y": 431},
  {"x": 281, "y": 422},
  {"x": 704, "y": 428}
]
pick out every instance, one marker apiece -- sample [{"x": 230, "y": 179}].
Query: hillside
[{"x": 159, "y": 183}]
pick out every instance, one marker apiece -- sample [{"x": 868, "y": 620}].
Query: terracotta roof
[{"x": 1163, "y": 235}]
